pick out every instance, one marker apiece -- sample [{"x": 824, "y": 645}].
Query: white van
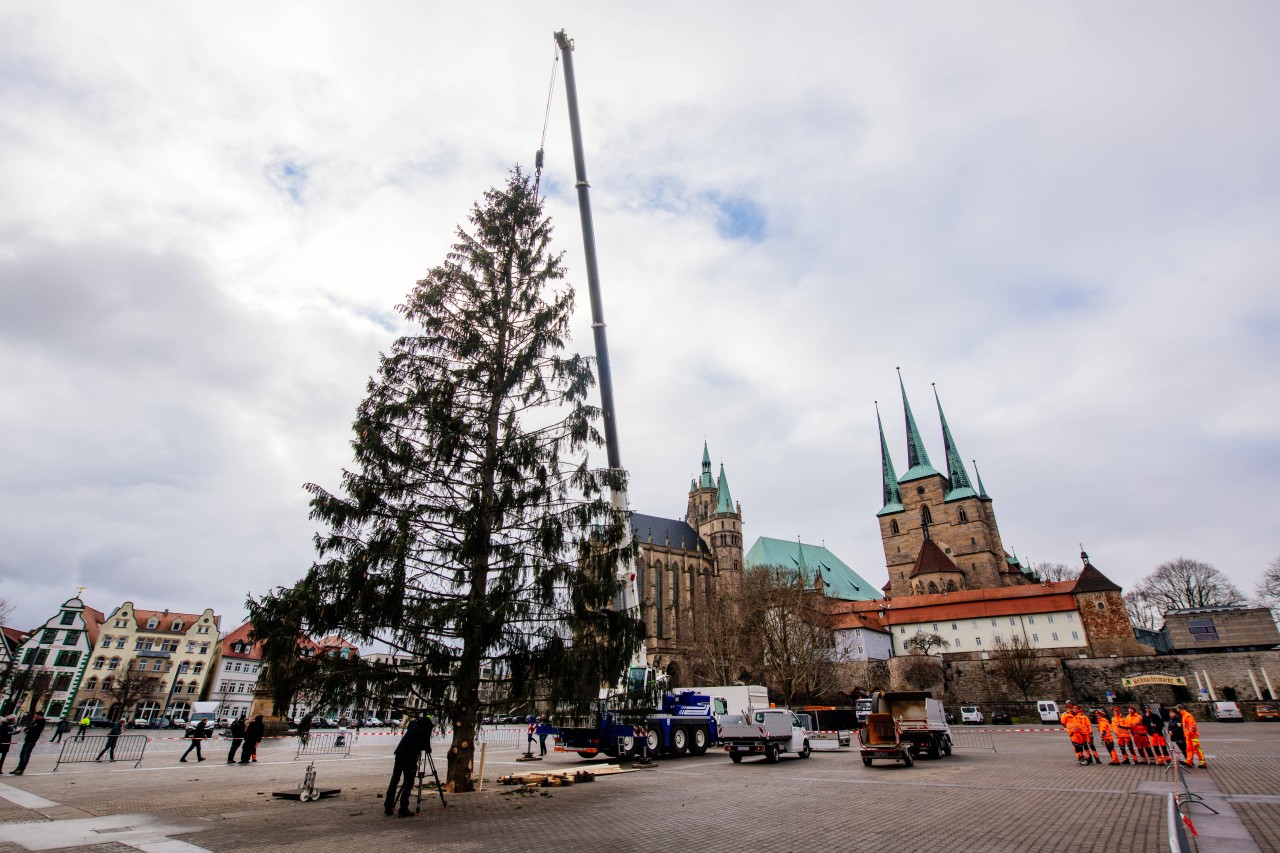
[
  {"x": 727, "y": 700},
  {"x": 1049, "y": 712},
  {"x": 1226, "y": 712}
]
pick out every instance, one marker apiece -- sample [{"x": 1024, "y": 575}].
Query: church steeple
[
  {"x": 724, "y": 502},
  {"x": 917, "y": 457},
  {"x": 892, "y": 494},
  {"x": 960, "y": 486},
  {"x": 982, "y": 490},
  {"x": 706, "y": 482}
]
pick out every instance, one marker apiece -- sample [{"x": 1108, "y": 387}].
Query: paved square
[{"x": 1030, "y": 795}]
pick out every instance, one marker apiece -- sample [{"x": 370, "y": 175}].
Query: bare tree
[
  {"x": 1269, "y": 586},
  {"x": 38, "y": 684},
  {"x": 1015, "y": 661},
  {"x": 6, "y": 610},
  {"x": 925, "y": 643},
  {"x": 1055, "y": 572},
  {"x": 1141, "y": 613},
  {"x": 791, "y": 639},
  {"x": 716, "y": 652},
  {"x": 128, "y": 687},
  {"x": 1184, "y": 583}
]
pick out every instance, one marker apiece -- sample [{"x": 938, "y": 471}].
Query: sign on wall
[{"x": 1141, "y": 680}]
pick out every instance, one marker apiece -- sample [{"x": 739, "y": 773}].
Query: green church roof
[
  {"x": 959, "y": 484},
  {"x": 724, "y": 501},
  {"x": 892, "y": 493},
  {"x": 838, "y": 580},
  {"x": 706, "y": 482},
  {"x": 917, "y": 456}
]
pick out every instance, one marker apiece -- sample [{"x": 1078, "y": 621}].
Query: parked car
[
  {"x": 1001, "y": 718},
  {"x": 1226, "y": 712},
  {"x": 100, "y": 722},
  {"x": 1268, "y": 712},
  {"x": 372, "y": 721},
  {"x": 140, "y": 723},
  {"x": 970, "y": 715}
]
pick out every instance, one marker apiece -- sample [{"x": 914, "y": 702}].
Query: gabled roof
[
  {"x": 241, "y": 635},
  {"x": 846, "y": 621},
  {"x": 93, "y": 619},
  {"x": 932, "y": 559},
  {"x": 13, "y": 637},
  {"x": 166, "y": 618},
  {"x": 674, "y": 532},
  {"x": 812, "y": 561},
  {"x": 1092, "y": 580}
]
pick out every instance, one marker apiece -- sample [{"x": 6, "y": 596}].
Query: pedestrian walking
[
  {"x": 112, "y": 737},
  {"x": 1155, "y": 730},
  {"x": 1191, "y": 731},
  {"x": 252, "y": 734},
  {"x": 415, "y": 741},
  {"x": 85, "y": 722},
  {"x": 197, "y": 735},
  {"x": 304, "y": 728},
  {"x": 1107, "y": 734},
  {"x": 542, "y": 739},
  {"x": 8, "y": 725},
  {"x": 237, "y": 738},
  {"x": 60, "y": 729},
  {"x": 30, "y": 737}
]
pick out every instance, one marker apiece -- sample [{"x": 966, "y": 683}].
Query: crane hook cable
[{"x": 546, "y": 120}]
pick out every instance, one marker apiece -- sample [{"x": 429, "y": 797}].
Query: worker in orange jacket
[
  {"x": 1107, "y": 734},
  {"x": 1124, "y": 740},
  {"x": 1192, "y": 733},
  {"x": 1138, "y": 731},
  {"x": 1081, "y": 734}
]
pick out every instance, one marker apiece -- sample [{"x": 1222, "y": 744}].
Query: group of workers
[{"x": 1135, "y": 737}]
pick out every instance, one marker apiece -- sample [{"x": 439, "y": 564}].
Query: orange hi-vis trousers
[{"x": 1194, "y": 750}]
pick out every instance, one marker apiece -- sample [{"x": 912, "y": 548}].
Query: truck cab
[{"x": 766, "y": 731}]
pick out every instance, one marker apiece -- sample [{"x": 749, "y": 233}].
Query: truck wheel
[
  {"x": 906, "y": 758},
  {"x": 627, "y": 747},
  {"x": 652, "y": 742},
  {"x": 679, "y": 740},
  {"x": 804, "y": 753},
  {"x": 771, "y": 753},
  {"x": 735, "y": 756},
  {"x": 935, "y": 748},
  {"x": 698, "y": 740},
  {"x": 866, "y": 762},
  {"x": 946, "y": 745},
  {"x": 588, "y": 754}
]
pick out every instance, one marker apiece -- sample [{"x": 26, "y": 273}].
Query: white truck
[
  {"x": 767, "y": 731},
  {"x": 206, "y": 711}
]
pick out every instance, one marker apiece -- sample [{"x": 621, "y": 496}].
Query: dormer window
[
  {"x": 152, "y": 623},
  {"x": 177, "y": 624}
]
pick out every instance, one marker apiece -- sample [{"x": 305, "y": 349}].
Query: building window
[
  {"x": 191, "y": 647},
  {"x": 953, "y": 626},
  {"x": 1071, "y": 617},
  {"x": 1075, "y": 635},
  {"x": 99, "y": 663},
  {"x": 49, "y": 636},
  {"x": 191, "y": 688},
  {"x": 61, "y": 681},
  {"x": 1055, "y": 636},
  {"x": 91, "y": 683},
  {"x": 120, "y": 642},
  {"x": 142, "y": 665},
  {"x": 152, "y": 623},
  {"x": 68, "y": 617},
  {"x": 157, "y": 666},
  {"x": 184, "y": 667},
  {"x": 977, "y": 641},
  {"x": 106, "y": 641},
  {"x": 1031, "y": 620},
  {"x": 177, "y": 625},
  {"x": 964, "y": 516},
  {"x": 1202, "y": 630},
  {"x": 957, "y": 643},
  {"x": 170, "y": 646},
  {"x": 926, "y": 517},
  {"x": 893, "y": 526},
  {"x": 993, "y": 623},
  {"x": 902, "y": 630},
  {"x": 1035, "y": 638},
  {"x": 67, "y": 659},
  {"x": 199, "y": 667},
  {"x": 1050, "y": 618},
  {"x": 1102, "y": 606},
  {"x": 1013, "y": 621}
]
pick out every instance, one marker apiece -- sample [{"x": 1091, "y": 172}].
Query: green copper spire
[
  {"x": 892, "y": 494},
  {"x": 960, "y": 486},
  {"x": 917, "y": 456},
  {"x": 982, "y": 490},
  {"x": 706, "y": 481},
  {"x": 724, "y": 503}
]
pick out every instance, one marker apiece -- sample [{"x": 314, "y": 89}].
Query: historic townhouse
[
  {"x": 51, "y": 660},
  {"x": 150, "y": 663},
  {"x": 237, "y": 675}
]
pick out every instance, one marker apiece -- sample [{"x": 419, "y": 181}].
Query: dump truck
[
  {"x": 767, "y": 731},
  {"x": 904, "y": 726}
]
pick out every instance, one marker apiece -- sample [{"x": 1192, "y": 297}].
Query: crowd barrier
[
  {"x": 972, "y": 739},
  {"x": 95, "y": 747},
  {"x": 326, "y": 743}
]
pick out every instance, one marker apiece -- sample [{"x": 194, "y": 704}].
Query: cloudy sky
[{"x": 1065, "y": 215}]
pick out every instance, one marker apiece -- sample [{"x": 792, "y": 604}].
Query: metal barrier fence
[
  {"x": 504, "y": 736},
  {"x": 97, "y": 747},
  {"x": 1178, "y": 841},
  {"x": 326, "y": 743},
  {"x": 972, "y": 739}
]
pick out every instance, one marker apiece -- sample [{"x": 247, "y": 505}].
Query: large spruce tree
[{"x": 470, "y": 533}]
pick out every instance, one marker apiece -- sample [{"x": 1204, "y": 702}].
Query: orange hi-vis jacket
[
  {"x": 1078, "y": 727},
  {"x": 1137, "y": 726},
  {"x": 1121, "y": 724},
  {"x": 1104, "y": 729},
  {"x": 1189, "y": 728}
]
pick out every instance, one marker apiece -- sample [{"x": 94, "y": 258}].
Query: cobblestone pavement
[{"x": 1028, "y": 796}]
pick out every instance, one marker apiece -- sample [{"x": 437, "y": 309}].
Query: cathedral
[
  {"x": 939, "y": 533},
  {"x": 685, "y": 561}
]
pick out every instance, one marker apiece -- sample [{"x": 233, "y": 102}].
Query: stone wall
[{"x": 1087, "y": 680}]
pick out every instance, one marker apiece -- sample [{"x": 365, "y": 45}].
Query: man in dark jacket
[
  {"x": 8, "y": 725},
  {"x": 237, "y": 738},
  {"x": 112, "y": 737},
  {"x": 252, "y": 734},
  {"x": 196, "y": 736},
  {"x": 416, "y": 740},
  {"x": 59, "y": 730},
  {"x": 31, "y": 736}
]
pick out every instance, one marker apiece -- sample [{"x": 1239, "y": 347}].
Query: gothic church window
[
  {"x": 951, "y": 586},
  {"x": 893, "y": 525},
  {"x": 926, "y": 517},
  {"x": 933, "y": 588},
  {"x": 964, "y": 516}
]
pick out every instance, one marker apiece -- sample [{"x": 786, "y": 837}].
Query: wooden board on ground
[{"x": 569, "y": 777}]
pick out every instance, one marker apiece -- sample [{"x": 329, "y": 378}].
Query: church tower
[
  {"x": 717, "y": 519},
  {"x": 939, "y": 534}
]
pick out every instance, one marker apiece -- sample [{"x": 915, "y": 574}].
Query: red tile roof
[
  {"x": 241, "y": 635},
  {"x": 14, "y": 637},
  {"x": 93, "y": 619},
  {"x": 165, "y": 619},
  {"x": 858, "y": 620},
  {"x": 969, "y": 604},
  {"x": 931, "y": 559}
]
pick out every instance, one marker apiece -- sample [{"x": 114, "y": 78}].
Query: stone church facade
[{"x": 684, "y": 562}]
